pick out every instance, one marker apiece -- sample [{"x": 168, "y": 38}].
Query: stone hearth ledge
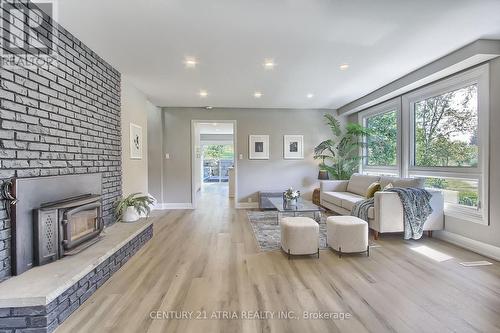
[{"x": 41, "y": 285}]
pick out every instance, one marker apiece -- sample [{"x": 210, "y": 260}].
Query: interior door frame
[{"x": 194, "y": 123}]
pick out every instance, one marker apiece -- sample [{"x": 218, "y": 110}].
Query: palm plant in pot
[
  {"x": 130, "y": 208},
  {"x": 340, "y": 154}
]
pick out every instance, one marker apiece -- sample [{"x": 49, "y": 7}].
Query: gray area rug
[{"x": 268, "y": 234}]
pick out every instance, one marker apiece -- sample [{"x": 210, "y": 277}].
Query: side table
[{"x": 316, "y": 197}]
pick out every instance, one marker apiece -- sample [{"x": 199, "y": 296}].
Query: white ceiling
[
  {"x": 215, "y": 128},
  {"x": 308, "y": 39}
]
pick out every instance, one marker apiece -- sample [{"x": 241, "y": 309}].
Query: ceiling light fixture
[
  {"x": 208, "y": 107},
  {"x": 310, "y": 95},
  {"x": 269, "y": 64},
  {"x": 190, "y": 62},
  {"x": 257, "y": 94},
  {"x": 203, "y": 93},
  {"x": 344, "y": 67}
]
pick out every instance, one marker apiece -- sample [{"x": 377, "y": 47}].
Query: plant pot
[{"x": 130, "y": 215}]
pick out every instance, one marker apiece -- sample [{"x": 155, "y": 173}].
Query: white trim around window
[
  {"x": 480, "y": 76},
  {"x": 388, "y": 106}
]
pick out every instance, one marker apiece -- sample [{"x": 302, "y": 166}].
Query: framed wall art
[
  {"x": 135, "y": 142},
  {"x": 293, "y": 147},
  {"x": 258, "y": 147}
]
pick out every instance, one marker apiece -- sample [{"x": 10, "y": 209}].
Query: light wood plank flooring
[{"x": 207, "y": 260}]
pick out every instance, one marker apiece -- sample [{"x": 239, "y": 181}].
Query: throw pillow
[
  {"x": 374, "y": 187},
  {"x": 388, "y": 186}
]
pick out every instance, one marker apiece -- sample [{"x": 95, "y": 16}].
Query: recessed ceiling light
[
  {"x": 208, "y": 107},
  {"x": 343, "y": 67},
  {"x": 203, "y": 93},
  {"x": 214, "y": 124},
  {"x": 190, "y": 62},
  {"x": 269, "y": 64},
  {"x": 257, "y": 94},
  {"x": 310, "y": 95}
]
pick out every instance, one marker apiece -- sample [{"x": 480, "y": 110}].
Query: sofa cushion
[
  {"x": 331, "y": 198},
  {"x": 337, "y": 198},
  {"x": 358, "y": 183},
  {"x": 385, "y": 180},
  {"x": 402, "y": 182},
  {"x": 349, "y": 200}
]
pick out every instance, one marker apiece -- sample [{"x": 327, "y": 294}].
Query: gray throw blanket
[{"x": 416, "y": 209}]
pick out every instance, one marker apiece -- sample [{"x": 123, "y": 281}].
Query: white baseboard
[
  {"x": 484, "y": 249},
  {"x": 181, "y": 205},
  {"x": 247, "y": 205}
]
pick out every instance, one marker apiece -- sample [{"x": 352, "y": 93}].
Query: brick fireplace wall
[{"x": 64, "y": 120}]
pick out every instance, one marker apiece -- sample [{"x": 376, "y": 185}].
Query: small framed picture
[
  {"x": 135, "y": 142},
  {"x": 293, "y": 147},
  {"x": 258, "y": 147}
]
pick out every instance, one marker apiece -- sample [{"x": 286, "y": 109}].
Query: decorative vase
[
  {"x": 291, "y": 202},
  {"x": 130, "y": 215}
]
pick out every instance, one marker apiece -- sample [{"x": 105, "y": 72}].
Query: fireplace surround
[{"x": 51, "y": 218}]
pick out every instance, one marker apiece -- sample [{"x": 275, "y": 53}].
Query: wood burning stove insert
[{"x": 66, "y": 227}]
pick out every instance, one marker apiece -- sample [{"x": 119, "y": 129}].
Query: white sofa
[{"x": 340, "y": 196}]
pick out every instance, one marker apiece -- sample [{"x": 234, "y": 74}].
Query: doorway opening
[
  {"x": 218, "y": 159},
  {"x": 214, "y": 162}
]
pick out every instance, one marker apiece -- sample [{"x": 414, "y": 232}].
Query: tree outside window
[
  {"x": 446, "y": 129},
  {"x": 383, "y": 139},
  {"x": 446, "y": 136}
]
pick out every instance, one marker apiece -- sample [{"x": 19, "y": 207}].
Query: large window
[
  {"x": 446, "y": 129},
  {"x": 382, "y": 142},
  {"x": 381, "y": 150},
  {"x": 439, "y": 132}
]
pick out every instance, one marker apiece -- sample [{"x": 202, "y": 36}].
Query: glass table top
[{"x": 301, "y": 206}]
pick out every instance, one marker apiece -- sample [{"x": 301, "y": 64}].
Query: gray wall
[
  {"x": 253, "y": 175},
  {"x": 64, "y": 120},
  {"x": 155, "y": 152},
  {"x": 134, "y": 111}
]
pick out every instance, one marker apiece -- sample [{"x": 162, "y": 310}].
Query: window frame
[
  {"x": 385, "y": 107},
  {"x": 480, "y": 76}
]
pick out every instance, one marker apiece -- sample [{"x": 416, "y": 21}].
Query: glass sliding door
[{"x": 217, "y": 159}]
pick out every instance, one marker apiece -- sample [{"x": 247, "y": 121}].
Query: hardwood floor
[{"x": 207, "y": 260}]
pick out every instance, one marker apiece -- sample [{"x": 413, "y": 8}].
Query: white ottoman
[
  {"x": 299, "y": 235},
  {"x": 347, "y": 234}
]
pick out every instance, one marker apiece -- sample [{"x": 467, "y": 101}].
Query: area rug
[{"x": 267, "y": 231}]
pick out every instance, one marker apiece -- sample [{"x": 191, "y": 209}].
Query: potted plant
[
  {"x": 340, "y": 155},
  {"x": 130, "y": 208}
]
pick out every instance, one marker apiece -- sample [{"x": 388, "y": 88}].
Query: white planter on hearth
[{"x": 130, "y": 215}]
